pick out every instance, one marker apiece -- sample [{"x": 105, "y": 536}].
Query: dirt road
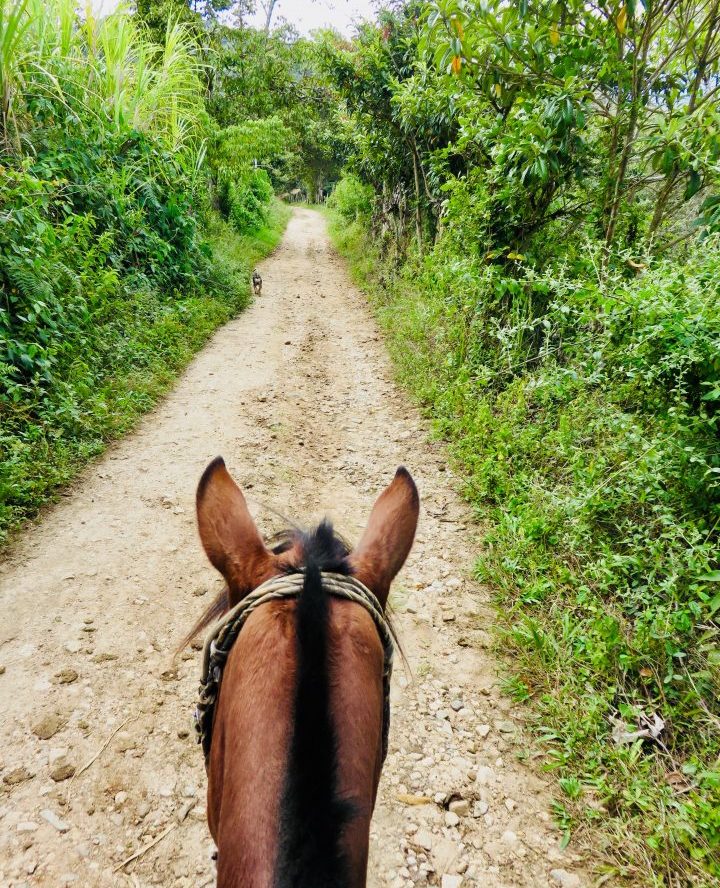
[{"x": 297, "y": 396}]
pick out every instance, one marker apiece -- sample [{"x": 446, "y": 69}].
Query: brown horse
[{"x": 298, "y": 728}]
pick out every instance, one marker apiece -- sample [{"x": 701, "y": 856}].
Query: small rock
[
  {"x": 506, "y": 727},
  {"x": 62, "y": 770},
  {"x": 509, "y": 837},
  {"x": 448, "y": 617},
  {"x": 457, "y": 705},
  {"x": 183, "y": 733},
  {"x": 17, "y": 775},
  {"x": 451, "y": 818},
  {"x": 54, "y": 820},
  {"x": 66, "y": 676},
  {"x": 510, "y": 804},
  {"x": 449, "y": 881},
  {"x": 483, "y": 730},
  {"x": 143, "y": 809},
  {"x": 423, "y": 838},
  {"x": 104, "y": 657},
  {"x": 480, "y": 809},
  {"x": 26, "y": 826},
  {"x": 485, "y": 776},
  {"x": 73, "y": 647},
  {"x": 124, "y": 741},
  {"x": 565, "y": 879},
  {"x": 2, "y": 669},
  {"x": 184, "y": 810},
  {"x": 461, "y": 807},
  {"x": 57, "y": 753},
  {"x": 120, "y": 798},
  {"x": 48, "y": 726}
]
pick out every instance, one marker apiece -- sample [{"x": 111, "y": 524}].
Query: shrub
[{"x": 351, "y": 199}]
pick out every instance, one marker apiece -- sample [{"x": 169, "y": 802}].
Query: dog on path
[{"x": 257, "y": 283}]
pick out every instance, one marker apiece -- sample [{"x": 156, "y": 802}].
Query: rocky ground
[{"x": 101, "y": 783}]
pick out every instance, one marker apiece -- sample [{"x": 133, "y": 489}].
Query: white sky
[{"x": 307, "y": 15}]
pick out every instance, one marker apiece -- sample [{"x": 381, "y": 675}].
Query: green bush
[{"x": 351, "y": 199}]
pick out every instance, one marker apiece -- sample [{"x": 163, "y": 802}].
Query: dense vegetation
[
  {"x": 136, "y": 192},
  {"x": 532, "y": 198},
  {"x": 531, "y": 192}
]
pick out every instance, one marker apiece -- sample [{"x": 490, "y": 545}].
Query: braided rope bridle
[{"x": 224, "y": 632}]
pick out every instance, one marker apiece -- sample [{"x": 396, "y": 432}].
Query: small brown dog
[{"x": 257, "y": 283}]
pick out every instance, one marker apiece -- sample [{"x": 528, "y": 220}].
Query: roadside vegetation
[
  {"x": 532, "y": 201},
  {"x": 531, "y": 193},
  {"x": 137, "y": 179}
]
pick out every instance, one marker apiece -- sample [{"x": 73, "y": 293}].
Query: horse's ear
[
  {"x": 228, "y": 533},
  {"x": 389, "y": 535}
]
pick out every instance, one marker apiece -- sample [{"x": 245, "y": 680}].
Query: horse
[{"x": 299, "y": 722}]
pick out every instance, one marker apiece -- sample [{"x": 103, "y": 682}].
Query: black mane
[{"x": 312, "y": 814}]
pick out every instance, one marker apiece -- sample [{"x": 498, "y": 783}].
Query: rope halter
[{"x": 223, "y": 634}]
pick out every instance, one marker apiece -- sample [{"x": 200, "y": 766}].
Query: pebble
[
  {"x": 423, "y": 838},
  {"x": 480, "y": 808},
  {"x": 73, "y": 647},
  {"x": 26, "y": 826},
  {"x": 143, "y": 809},
  {"x": 120, "y": 798},
  {"x": 54, "y": 820},
  {"x": 451, "y": 818},
  {"x": 484, "y": 776},
  {"x": 124, "y": 741},
  {"x": 460, "y": 807},
  {"x": 449, "y": 881},
  {"x": 457, "y": 705},
  {"x": 483, "y": 730},
  {"x": 506, "y": 727},
  {"x": 509, "y": 837},
  {"x": 47, "y": 726},
  {"x": 510, "y": 804},
  {"x": 184, "y": 810},
  {"x": 17, "y": 775},
  {"x": 66, "y": 676},
  {"x": 57, "y": 753},
  {"x": 62, "y": 770},
  {"x": 565, "y": 879}
]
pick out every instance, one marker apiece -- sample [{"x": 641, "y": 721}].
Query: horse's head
[
  {"x": 235, "y": 547},
  {"x": 294, "y": 704}
]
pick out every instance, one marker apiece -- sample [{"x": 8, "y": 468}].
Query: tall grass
[{"x": 100, "y": 70}]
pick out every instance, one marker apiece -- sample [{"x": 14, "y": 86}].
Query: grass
[
  {"x": 600, "y": 548},
  {"x": 137, "y": 356}
]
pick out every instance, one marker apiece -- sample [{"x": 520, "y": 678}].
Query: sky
[{"x": 307, "y": 15}]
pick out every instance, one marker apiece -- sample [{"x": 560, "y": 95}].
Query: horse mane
[{"x": 312, "y": 815}]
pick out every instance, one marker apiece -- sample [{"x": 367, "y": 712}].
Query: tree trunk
[
  {"x": 269, "y": 7},
  {"x": 418, "y": 214}
]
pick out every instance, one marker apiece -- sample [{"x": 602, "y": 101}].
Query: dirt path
[{"x": 297, "y": 396}]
